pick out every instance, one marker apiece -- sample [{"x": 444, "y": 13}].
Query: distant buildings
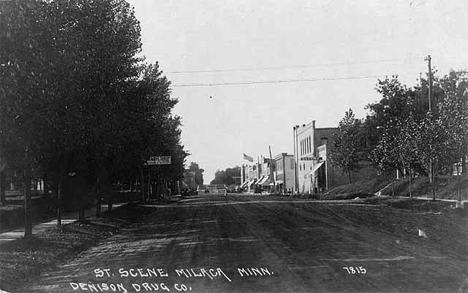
[
  {"x": 308, "y": 170},
  {"x": 249, "y": 175},
  {"x": 284, "y": 173}
]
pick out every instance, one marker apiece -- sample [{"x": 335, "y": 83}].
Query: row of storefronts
[
  {"x": 307, "y": 170},
  {"x": 269, "y": 174}
]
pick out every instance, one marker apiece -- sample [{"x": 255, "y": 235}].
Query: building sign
[
  {"x": 159, "y": 160},
  {"x": 307, "y": 158},
  {"x": 322, "y": 151}
]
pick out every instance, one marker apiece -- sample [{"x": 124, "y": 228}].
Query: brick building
[{"x": 314, "y": 169}]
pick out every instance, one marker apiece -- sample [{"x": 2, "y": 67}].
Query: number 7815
[{"x": 355, "y": 270}]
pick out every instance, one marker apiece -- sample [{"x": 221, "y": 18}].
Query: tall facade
[
  {"x": 284, "y": 174},
  {"x": 313, "y": 145},
  {"x": 250, "y": 174}
]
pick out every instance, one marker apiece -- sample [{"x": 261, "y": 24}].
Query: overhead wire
[
  {"x": 276, "y": 81},
  {"x": 283, "y": 67}
]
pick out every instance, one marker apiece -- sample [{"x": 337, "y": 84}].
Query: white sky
[{"x": 300, "y": 40}]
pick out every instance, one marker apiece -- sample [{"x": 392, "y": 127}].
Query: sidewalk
[{"x": 38, "y": 228}]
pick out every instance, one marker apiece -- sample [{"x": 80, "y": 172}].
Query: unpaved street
[{"x": 242, "y": 243}]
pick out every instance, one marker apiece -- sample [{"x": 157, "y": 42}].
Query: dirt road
[{"x": 240, "y": 243}]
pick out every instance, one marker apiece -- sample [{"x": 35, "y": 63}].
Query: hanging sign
[{"x": 159, "y": 160}]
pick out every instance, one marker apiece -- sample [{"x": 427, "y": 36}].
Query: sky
[{"x": 246, "y": 71}]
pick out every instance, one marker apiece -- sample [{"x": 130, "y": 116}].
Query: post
[
  {"x": 27, "y": 196},
  {"x": 271, "y": 169},
  {"x": 2, "y": 176},
  {"x": 2, "y": 183},
  {"x": 431, "y": 168},
  {"x": 428, "y": 59},
  {"x": 142, "y": 184},
  {"x": 98, "y": 197},
  {"x": 297, "y": 161},
  {"x": 294, "y": 157},
  {"x": 284, "y": 174}
]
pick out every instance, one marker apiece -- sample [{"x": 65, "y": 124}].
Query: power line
[
  {"x": 276, "y": 81},
  {"x": 283, "y": 67}
]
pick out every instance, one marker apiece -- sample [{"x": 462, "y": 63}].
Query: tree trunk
[
  {"x": 109, "y": 201},
  {"x": 27, "y": 202},
  {"x": 35, "y": 182},
  {"x": 410, "y": 191},
  {"x": 3, "y": 186},
  {"x": 81, "y": 214},
  {"x": 98, "y": 198},
  {"x": 431, "y": 175},
  {"x": 142, "y": 185},
  {"x": 149, "y": 186},
  {"x": 59, "y": 203},
  {"x": 458, "y": 183},
  {"x": 463, "y": 164},
  {"x": 98, "y": 206},
  {"x": 46, "y": 189}
]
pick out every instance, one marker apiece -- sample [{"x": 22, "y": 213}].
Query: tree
[
  {"x": 454, "y": 117},
  {"x": 453, "y": 111},
  {"x": 25, "y": 87},
  {"x": 398, "y": 149},
  {"x": 397, "y": 104},
  {"x": 230, "y": 176},
  {"x": 348, "y": 144},
  {"x": 194, "y": 175},
  {"x": 75, "y": 97}
]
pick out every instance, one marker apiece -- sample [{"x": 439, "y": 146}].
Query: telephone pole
[
  {"x": 431, "y": 168},
  {"x": 428, "y": 59}
]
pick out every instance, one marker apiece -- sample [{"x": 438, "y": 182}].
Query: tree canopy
[
  {"x": 76, "y": 97},
  {"x": 348, "y": 143},
  {"x": 229, "y": 176}
]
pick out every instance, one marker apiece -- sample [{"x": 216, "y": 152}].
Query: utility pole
[
  {"x": 271, "y": 170},
  {"x": 431, "y": 168},
  {"x": 294, "y": 152},
  {"x": 296, "y": 161},
  {"x": 428, "y": 59}
]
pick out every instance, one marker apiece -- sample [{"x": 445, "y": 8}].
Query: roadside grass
[
  {"x": 368, "y": 186},
  {"x": 446, "y": 187},
  {"x": 12, "y": 214},
  {"x": 417, "y": 205},
  {"x": 24, "y": 259}
]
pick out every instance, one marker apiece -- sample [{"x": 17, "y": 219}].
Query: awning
[
  {"x": 265, "y": 181},
  {"x": 316, "y": 167},
  {"x": 244, "y": 184},
  {"x": 278, "y": 182},
  {"x": 260, "y": 180}
]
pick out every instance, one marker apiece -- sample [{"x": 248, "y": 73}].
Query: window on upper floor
[{"x": 324, "y": 140}]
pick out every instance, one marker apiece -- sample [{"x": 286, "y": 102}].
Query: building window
[{"x": 324, "y": 140}]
